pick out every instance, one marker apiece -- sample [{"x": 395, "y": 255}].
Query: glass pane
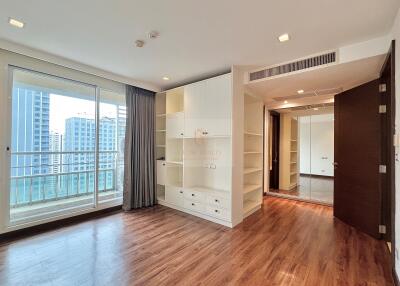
[
  {"x": 52, "y": 146},
  {"x": 304, "y": 156},
  {"x": 322, "y": 156},
  {"x": 111, "y": 145}
]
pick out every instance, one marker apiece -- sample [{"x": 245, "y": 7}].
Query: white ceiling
[
  {"x": 198, "y": 38},
  {"x": 345, "y": 76}
]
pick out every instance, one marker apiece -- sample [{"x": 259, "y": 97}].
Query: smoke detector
[
  {"x": 139, "y": 43},
  {"x": 153, "y": 34}
]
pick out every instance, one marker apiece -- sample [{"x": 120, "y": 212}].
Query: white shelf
[
  {"x": 249, "y": 206},
  {"x": 293, "y": 173},
  {"x": 251, "y": 188},
  {"x": 161, "y": 130},
  {"x": 175, "y": 162},
  {"x": 293, "y": 162},
  {"x": 251, "y": 170},
  {"x": 252, "y": 134},
  {"x": 161, "y": 115},
  {"x": 252, "y": 152}
]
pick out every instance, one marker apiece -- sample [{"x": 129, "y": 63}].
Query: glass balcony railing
[{"x": 41, "y": 177}]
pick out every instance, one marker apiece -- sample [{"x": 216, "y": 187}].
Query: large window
[{"x": 66, "y": 146}]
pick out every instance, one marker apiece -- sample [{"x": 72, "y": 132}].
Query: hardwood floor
[
  {"x": 311, "y": 188},
  {"x": 286, "y": 243}
]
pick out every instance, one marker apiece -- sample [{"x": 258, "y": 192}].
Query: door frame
[
  {"x": 276, "y": 144},
  {"x": 388, "y": 147}
]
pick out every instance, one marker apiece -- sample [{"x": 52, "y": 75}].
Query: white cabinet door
[
  {"x": 174, "y": 196},
  {"x": 175, "y": 125},
  {"x": 218, "y": 106},
  {"x": 194, "y": 106},
  {"x": 208, "y": 107},
  {"x": 161, "y": 172}
]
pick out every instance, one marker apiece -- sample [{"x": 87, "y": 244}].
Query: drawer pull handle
[
  {"x": 193, "y": 204},
  {"x": 217, "y": 201},
  {"x": 192, "y": 195},
  {"x": 217, "y": 211},
  {"x": 181, "y": 192}
]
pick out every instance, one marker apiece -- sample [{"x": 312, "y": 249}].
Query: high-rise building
[
  {"x": 80, "y": 138},
  {"x": 55, "y": 148},
  {"x": 30, "y": 133}
]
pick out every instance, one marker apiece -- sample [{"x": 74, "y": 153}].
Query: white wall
[
  {"x": 396, "y": 36},
  {"x": 316, "y": 143}
]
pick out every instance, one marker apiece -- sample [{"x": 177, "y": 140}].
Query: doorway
[{"x": 301, "y": 153}]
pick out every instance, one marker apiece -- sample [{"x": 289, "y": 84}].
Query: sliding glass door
[{"x": 66, "y": 142}]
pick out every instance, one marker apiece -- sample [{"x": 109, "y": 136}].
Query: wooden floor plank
[{"x": 286, "y": 243}]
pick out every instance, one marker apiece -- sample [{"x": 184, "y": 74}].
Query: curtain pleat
[{"x": 139, "y": 173}]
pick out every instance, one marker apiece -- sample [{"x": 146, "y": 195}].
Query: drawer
[
  {"x": 174, "y": 196},
  {"x": 195, "y": 196},
  {"x": 194, "y": 206},
  {"x": 218, "y": 213},
  {"x": 218, "y": 201}
]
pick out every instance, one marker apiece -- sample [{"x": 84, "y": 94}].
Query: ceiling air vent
[{"x": 303, "y": 64}]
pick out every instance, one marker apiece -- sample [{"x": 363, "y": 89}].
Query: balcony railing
[{"x": 39, "y": 177}]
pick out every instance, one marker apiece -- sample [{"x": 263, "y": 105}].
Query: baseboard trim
[
  {"x": 316, "y": 176},
  {"x": 395, "y": 277},
  {"x": 53, "y": 225}
]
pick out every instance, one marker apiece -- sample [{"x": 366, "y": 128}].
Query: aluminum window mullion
[{"x": 96, "y": 147}]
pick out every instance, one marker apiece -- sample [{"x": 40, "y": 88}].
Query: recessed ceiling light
[
  {"x": 16, "y": 23},
  {"x": 285, "y": 101},
  {"x": 300, "y": 91},
  {"x": 165, "y": 78},
  {"x": 284, "y": 38}
]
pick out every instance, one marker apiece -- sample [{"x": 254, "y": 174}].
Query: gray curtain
[{"x": 139, "y": 174}]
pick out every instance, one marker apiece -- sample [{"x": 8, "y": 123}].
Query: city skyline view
[{"x": 53, "y": 142}]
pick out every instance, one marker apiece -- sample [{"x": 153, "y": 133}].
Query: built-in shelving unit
[
  {"x": 196, "y": 128},
  {"x": 288, "y": 163},
  {"x": 174, "y": 138},
  {"x": 160, "y": 122},
  {"x": 253, "y": 154}
]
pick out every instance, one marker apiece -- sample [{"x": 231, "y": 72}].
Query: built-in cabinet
[
  {"x": 288, "y": 152},
  {"x": 253, "y": 154},
  {"x": 196, "y": 171},
  {"x": 208, "y": 108}
]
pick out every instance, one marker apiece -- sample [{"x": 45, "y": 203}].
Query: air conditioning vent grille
[{"x": 294, "y": 66}]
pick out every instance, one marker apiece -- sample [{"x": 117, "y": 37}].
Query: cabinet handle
[
  {"x": 217, "y": 201},
  {"x": 193, "y": 204},
  {"x": 163, "y": 164},
  {"x": 192, "y": 195},
  {"x": 181, "y": 192},
  {"x": 217, "y": 211},
  {"x": 182, "y": 134}
]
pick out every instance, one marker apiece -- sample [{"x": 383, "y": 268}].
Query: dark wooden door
[
  {"x": 387, "y": 96},
  {"x": 357, "y": 189},
  {"x": 275, "y": 131}
]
